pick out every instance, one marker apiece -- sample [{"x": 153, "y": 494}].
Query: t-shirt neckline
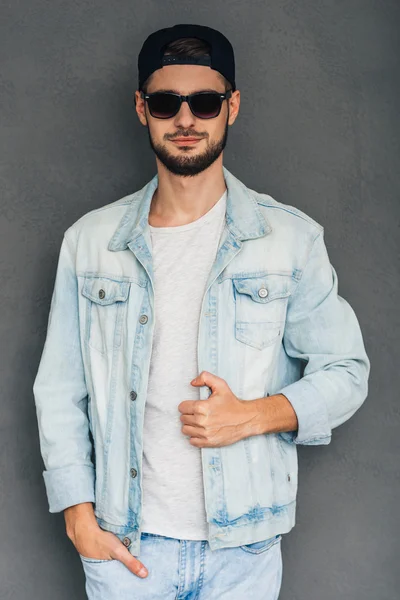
[{"x": 210, "y": 214}]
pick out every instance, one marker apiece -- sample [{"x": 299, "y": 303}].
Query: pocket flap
[
  {"x": 103, "y": 290},
  {"x": 266, "y": 288}
]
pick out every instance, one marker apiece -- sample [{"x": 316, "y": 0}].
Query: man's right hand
[{"x": 93, "y": 542}]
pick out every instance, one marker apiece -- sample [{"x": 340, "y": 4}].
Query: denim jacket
[{"x": 271, "y": 322}]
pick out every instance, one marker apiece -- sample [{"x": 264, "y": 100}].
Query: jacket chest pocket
[
  {"x": 105, "y": 308},
  {"x": 260, "y": 308}
]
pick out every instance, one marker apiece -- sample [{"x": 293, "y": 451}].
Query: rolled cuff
[
  {"x": 312, "y": 415},
  {"x": 67, "y": 486}
]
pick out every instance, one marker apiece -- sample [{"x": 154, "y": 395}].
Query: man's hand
[
  {"x": 220, "y": 420},
  {"x": 93, "y": 542}
]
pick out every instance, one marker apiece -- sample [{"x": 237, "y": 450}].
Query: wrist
[
  {"x": 254, "y": 422},
  {"x": 79, "y": 515}
]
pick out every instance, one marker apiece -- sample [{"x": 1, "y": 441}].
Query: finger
[
  {"x": 131, "y": 562},
  {"x": 188, "y": 419},
  {"x": 200, "y": 442},
  {"x": 187, "y": 407},
  {"x": 192, "y": 431}
]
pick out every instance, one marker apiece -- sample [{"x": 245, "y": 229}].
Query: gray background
[{"x": 317, "y": 129}]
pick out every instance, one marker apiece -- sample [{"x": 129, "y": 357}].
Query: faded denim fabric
[
  {"x": 189, "y": 570},
  {"x": 271, "y": 322}
]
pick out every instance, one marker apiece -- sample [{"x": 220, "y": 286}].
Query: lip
[{"x": 186, "y": 140}]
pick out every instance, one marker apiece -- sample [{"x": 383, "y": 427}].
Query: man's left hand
[{"x": 220, "y": 420}]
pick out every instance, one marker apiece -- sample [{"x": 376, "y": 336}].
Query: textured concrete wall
[{"x": 319, "y": 129}]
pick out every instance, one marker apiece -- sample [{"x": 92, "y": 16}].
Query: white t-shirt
[{"x": 173, "y": 497}]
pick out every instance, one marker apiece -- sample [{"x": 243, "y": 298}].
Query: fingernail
[{"x": 143, "y": 572}]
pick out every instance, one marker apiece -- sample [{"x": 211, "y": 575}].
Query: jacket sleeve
[
  {"x": 323, "y": 331},
  {"x": 61, "y": 397}
]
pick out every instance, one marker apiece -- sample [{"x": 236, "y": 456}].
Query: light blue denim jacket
[{"x": 271, "y": 322}]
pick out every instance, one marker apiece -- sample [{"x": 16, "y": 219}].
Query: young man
[{"x": 195, "y": 337}]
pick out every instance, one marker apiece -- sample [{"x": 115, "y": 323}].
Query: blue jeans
[{"x": 189, "y": 570}]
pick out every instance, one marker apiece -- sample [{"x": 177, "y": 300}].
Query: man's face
[{"x": 187, "y": 160}]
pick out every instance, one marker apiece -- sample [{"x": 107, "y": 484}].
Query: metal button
[
  {"x": 126, "y": 541},
  {"x": 133, "y": 395},
  {"x": 263, "y": 292},
  {"x": 133, "y": 472},
  {"x": 101, "y": 294},
  {"x": 143, "y": 319},
  {"x": 288, "y": 477}
]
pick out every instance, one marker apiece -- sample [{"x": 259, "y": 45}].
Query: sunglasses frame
[{"x": 187, "y": 99}]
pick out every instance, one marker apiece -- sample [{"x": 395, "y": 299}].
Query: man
[{"x": 195, "y": 337}]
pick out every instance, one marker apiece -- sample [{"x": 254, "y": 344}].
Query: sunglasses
[{"x": 204, "y": 105}]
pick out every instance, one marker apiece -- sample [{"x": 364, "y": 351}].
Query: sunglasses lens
[
  {"x": 206, "y": 106},
  {"x": 163, "y": 106}
]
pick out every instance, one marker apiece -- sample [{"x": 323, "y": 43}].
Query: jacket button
[
  {"x": 133, "y": 395},
  {"x": 101, "y": 294},
  {"x": 263, "y": 292},
  {"x": 143, "y": 319},
  {"x": 288, "y": 477},
  {"x": 133, "y": 472},
  {"x": 126, "y": 541}
]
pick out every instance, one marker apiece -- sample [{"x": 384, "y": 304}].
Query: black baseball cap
[{"x": 221, "y": 51}]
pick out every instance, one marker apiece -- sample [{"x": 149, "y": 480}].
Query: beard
[{"x": 189, "y": 166}]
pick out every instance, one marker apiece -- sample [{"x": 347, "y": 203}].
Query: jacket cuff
[
  {"x": 312, "y": 415},
  {"x": 67, "y": 486}
]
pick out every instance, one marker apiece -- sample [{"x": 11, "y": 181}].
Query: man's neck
[{"x": 181, "y": 200}]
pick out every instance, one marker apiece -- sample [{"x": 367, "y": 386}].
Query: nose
[{"x": 184, "y": 117}]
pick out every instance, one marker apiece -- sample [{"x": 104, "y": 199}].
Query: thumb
[{"x": 209, "y": 379}]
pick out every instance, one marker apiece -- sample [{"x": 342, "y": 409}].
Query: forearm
[{"x": 271, "y": 414}]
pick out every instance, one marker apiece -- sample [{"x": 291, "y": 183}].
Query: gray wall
[{"x": 318, "y": 129}]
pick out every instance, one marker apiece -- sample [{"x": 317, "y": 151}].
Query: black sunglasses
[{"x": 204, "y": 105}]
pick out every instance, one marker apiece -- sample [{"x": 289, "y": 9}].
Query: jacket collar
[{"x": 243, "y": 216}]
